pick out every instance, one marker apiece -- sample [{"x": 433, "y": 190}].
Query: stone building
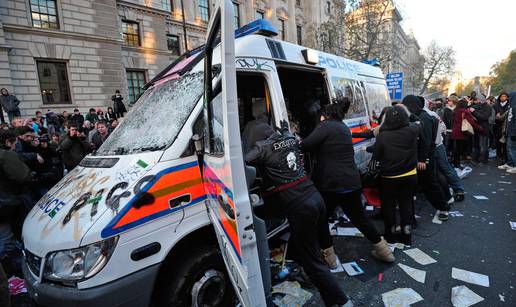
[{"x": 66, "y": 54}]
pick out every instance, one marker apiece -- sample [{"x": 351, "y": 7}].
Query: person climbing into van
[
  {"x": 396, "y": 150},
  {"x": 337, "y": 178},
  {"x": 289, "y": 191},
  {"x": 118, "y": 104},
  {"x": 426, "y": 166}
]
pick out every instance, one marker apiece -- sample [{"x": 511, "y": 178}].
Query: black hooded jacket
[
  {"x": 428, "y": 131},
  {"x": 396, "y": 144}
]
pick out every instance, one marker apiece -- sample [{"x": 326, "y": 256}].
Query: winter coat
[
  {"x": 74, "y": 150},
  {"x": 14, "y": 177},
  {"x": 482, "y": 112},
  {"x": 78, "y": 119},
  {"x": 9, "y": 103},
  {"x": 92, "y": 118},
  {"x": 335, "y": 168},
  {"x": 27, "y": 154},
  {"x": 118, "y": 105},
  {"x": 499, "y": 122},
  {"x": 448, "y": 117},
  {"x": 458, "y": 115},
  {"x": 511, "y": 123},
  {"x": 98, "y": 140},
  {"x": 428, "y": 131}
]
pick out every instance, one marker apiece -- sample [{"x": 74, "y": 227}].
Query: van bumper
[{"x": 132, "y": 290}]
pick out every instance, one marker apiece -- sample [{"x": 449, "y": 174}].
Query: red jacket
[{"x": 458, "y": 115}]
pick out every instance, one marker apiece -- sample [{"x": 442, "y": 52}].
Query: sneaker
[
  {"x": 451, "y": 200},
  {"x": 511, "y": 170},
  {"x": 443, "y": 215},
  {"x": 505, "y": 166},
  {"x": 459, "y": 196}
]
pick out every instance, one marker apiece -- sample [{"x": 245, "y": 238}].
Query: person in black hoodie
[
  {"x": 501, "y": 107},
  {"x": 481, "y": 111},
  {"x": 337, "y": 178},
  {"x": 396, "y": 148},
  {"x": 426, "y": 170}
]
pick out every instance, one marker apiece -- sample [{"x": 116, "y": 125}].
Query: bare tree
[
  {"x": 439, "y": 63},
  {"x": 329, "y": 36},
  {"x": 369, "y": 33}
]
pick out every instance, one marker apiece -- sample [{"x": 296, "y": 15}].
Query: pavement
[{"x": 481, "y": 241}]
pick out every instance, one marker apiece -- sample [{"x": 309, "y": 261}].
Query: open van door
[{"x": 228, "y": 201}]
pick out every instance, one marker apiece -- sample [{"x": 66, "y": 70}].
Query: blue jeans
[
  {"x": 511, "y": 152},
  {"x": 7, "y": 240},
  {"x": 446, "y": 168}
]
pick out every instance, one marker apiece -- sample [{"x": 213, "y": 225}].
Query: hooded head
[
  {"x": 395, "y": 117},
  {"x": 413, "y": 104}
]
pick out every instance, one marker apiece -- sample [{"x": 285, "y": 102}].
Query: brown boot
[
  {"x": 330, "y": 257},
  {"x": 382, "y": 252}
]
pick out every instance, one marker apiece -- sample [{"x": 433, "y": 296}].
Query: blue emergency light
[
  {"x": 259, "y": 26},
  {"x": 373, "y": 62}
]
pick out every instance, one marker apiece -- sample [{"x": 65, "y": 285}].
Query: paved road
[{"x": 481, "y": 241}]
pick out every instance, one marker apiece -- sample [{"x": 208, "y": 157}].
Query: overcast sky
[{"x": 481, "y": 32}]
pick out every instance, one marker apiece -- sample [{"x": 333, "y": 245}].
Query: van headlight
[{"x": 79, "y": 263}]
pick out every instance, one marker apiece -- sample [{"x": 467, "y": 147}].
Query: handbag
[
  {"x": 371, "y": 177},
  {"x": 466, "y": 127}
]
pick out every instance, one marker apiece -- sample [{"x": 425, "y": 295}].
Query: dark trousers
[
  {"x": 398, "y": 191},
  {"x": 480, "y": 147},
  {"x": 429, "y": 183},
  {"x": 351, "y": 204},
  {"x": 307, "y": 218},
  {"x": 459, "y": 149}
]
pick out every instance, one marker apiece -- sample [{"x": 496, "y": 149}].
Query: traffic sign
[{"x": 395, "y": 85}]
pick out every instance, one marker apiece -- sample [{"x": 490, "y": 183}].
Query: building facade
[{"x": 65, "y": 54}]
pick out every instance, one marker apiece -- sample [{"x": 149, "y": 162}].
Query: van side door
[{"x": 228, "y": 201}]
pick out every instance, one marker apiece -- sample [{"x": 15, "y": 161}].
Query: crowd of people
[{"x": 35, "y": 153}]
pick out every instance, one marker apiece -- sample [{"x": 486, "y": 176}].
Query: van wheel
[{"x": 197, "y": 278}]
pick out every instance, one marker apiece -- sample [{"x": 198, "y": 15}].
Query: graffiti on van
[
  {"x": 254, "y": 64},
  {"x": 354, "y": 90}
]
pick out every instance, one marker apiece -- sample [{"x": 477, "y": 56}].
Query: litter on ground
[
  {"x": 470, "y": 277},
  {"x": 418, "y": 275},
  {"x": 502, "y": 298},
  {"x": 401, "y": 297},
  {"x": 352, "y": 268},
  {"x": 339, "y": 267},
  {"x": 349, "y": 231},
  {"x": 513, "y": 225},
  {"x": 294, "y": 294},
  {"x": 419, "y": 256},
  {"x": 455, "y": 213},
  {"x": 504, "y": 182},
  {"x": 462, "y": 296},
  {"x": 480, "y": 197}
]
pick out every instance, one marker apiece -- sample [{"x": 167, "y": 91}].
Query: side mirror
[{"x": 198, "y": 144}]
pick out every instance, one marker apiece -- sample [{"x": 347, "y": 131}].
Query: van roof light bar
[
  {"x": 259, "y": 26},
  {"x": 373, "y": 62}
]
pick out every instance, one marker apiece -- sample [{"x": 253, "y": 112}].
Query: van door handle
[
  {"x": 183, "y": 199},
  {"x": 224, "y": 203}
]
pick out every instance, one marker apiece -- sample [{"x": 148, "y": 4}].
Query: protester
[
  {"x": 25, "y": 148},
  {"x": 77, "y": 118},
  {"x": 74, "y": 147},
  {"x": 92, "y": 116},
  {"x": 337, "y": 178},
  {"x": 460, "y": 137},
  {"x": 118, "y": 104},
  {"x": 292, "y": 193},
  {"x": 510, "y": 135},
  {"x": 110, "y": 114},
  {"x": 10, "y": 104},
  {"x": 501, "y": 107},
  {"x": 426, "y": 168},
  {"x": 481, "y": 111},
  {"x": 101, "y": 135}
]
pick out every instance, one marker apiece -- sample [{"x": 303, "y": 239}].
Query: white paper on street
[
  {"x": 504, "y": 182},
  {"x": 436, "y": 219},
  {"x": 480, "y": 197},
  {"x": 369, "y": 208},
  {"x": 401, "y": 297},
  {"x": 339, "y": 267},
  {"x": 352, "y": 268},
  {"x": 513, "y": 225},
  {"x": 462, "y": 296},
  {"x": 349, "y": 231},
  {"x": 470, "y": 277},
  {"x": 418, "y": 275},
  {"x": 455, "y": 213},
  {"x": 419, "y": 256}
]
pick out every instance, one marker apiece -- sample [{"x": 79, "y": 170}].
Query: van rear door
[{"x": 228, "y": 200}]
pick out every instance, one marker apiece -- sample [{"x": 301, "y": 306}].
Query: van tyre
[{"x": 198, "y": 278}]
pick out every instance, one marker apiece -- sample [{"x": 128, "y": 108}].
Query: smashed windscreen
[{"x": 156, "y": 118}]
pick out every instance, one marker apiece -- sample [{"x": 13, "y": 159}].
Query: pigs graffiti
[{"x": 113, "y": 201}]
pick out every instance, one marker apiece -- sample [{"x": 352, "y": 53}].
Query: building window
[
  {"x": 173, "y": 44},
  {"x": 236, "y": 14},
  {"x": 53, "y": 82},
  {"x": 44, "y": 14},
  {"x": 328, "y": 7},
  {"x": 259, "y": 15},
  {"x": 135, "y": 83},
  {"x": 299, "y": 35},
  {"x": 167, "y": 5},
  {"x": 204, "y": 10},
  {"x": 131, "y": 32},
  {"x": 282, "y": 29}
]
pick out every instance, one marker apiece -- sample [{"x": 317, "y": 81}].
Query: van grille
[{"x": 34, "y": 262}]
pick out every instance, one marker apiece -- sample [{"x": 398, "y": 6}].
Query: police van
[{"x": 162, "y": 213}]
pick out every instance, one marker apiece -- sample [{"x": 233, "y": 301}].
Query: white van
[{"x": 155, "y": 215}]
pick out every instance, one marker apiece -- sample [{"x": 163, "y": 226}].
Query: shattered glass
[{"x": 157, "y": 117}]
